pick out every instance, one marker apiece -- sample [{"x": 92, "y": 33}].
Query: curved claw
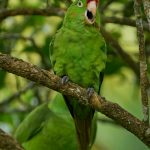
[
  {"x": 90, "y": 92},
  {"x": 64, "y": 80}
]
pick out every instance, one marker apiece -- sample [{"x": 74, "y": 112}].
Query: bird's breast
[{"x": 78, "y": 56}]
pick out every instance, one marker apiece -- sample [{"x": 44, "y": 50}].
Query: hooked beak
[{"x": 90, "y": 13}]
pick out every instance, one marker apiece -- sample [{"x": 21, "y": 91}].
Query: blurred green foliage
[{"x": 28, "y": 38}]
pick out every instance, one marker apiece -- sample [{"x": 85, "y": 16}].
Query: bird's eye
[{"x": 80, "y": 4}]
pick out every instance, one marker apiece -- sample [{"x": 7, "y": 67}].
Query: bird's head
[{"x": 83, "y": 12}]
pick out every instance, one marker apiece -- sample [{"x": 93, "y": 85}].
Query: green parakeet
[
  {"x": 48, "y": 128},
  {"x": 78, "y": 51}
]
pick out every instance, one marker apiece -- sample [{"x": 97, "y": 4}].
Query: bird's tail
[
  {"x": 84, "y": 124},
  {"x": 84, "y": 132}
]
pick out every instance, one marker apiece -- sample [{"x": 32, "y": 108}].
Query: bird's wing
[
  {"x": 32, "y": 124},
  {"x": 101, "y": 74}
]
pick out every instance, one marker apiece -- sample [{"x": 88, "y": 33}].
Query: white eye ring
[{"x": 80, "y": 4}]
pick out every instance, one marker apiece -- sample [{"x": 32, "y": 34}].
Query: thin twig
[
  {"x": 142, "y": 59},
  {"x": 16, "y": 110},
  {"x": 68, "y": 1},
  {"x": 107, "y": 121},
  {"x": 9, "y": 99},
  {"x": 4, "y": 36},
  {"x": 146, "y": 4},
  {"x": 31, "y": 11},
  {"x": 119, "y": 50},
  {"x": 105, "y": 6},
  {"x": 123, "y": 21},
  {"x": 48, "y": 79}
]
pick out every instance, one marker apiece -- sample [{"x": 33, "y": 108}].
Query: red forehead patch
[{"x": 92, "y": 0}]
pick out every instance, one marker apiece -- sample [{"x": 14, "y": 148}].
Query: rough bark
[
  {"x": 8, "y": 143},
  {"x": 48, "y": 79}
]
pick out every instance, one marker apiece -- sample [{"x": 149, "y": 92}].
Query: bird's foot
[
  {"x": 90, "y": 92},
  {"x": 64, "y": 80}
]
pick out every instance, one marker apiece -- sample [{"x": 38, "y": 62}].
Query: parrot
[
  {"x": 78, "y": 54},
  {"x": 48, "y": 127}
]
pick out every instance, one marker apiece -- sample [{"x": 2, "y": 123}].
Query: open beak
[{"x": 90, "y": 13}]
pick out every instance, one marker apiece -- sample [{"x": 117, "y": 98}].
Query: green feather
[
  {"x": 78, "y": 50},
  {"x": 32, "y": 124},
  {"x": 48, "y": 129}
]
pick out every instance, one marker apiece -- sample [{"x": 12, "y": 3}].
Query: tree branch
[
  {"x": 49, "y": 11},
  {"x": 48, "y": 79},
  {"x": 123, "y": 21},
  {"x": 31, "y": 11},
  {"x": 146, "y": 4},
  {"x": 105, "y": 6},
  {"x": 4, "y": 36},
  {"x": 9, "y": 99},
  {"x": 107, "y": 121},
  {"x": 8, "y": 143},
  {"x": 127, "y": 58},
  {"x": 142, "y": 59}
]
